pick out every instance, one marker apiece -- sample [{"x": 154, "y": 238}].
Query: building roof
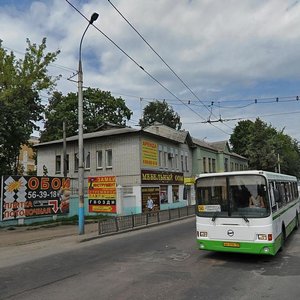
[
  {"x": 93, "y": 135},
  {"x": 161, "y": 131},
  {"x": 157, "y": 129},
  {"x": 180, "y": 136},
  {"x": 203, "y": 144},
  {"x": 221, "y": 145}
]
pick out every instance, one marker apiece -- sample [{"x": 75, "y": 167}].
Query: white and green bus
[{"x": 246, "y": 211}]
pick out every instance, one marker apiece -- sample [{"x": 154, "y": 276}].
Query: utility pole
[
  {"x": 80, "y": 134},
  {"x": 65, "y": 150},
  {"x": 278, "y": 163}
]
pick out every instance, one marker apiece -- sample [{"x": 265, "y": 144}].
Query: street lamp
[{"x": 94, "y": 17}]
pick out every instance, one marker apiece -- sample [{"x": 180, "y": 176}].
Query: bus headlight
[
  {"x": 203, "y": 234},
  {"x": 262, "y": 237}
]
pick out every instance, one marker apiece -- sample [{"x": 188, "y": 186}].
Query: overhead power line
[
  {"x": 160, "y": 57},
  {"x": 141, "y": 67},
  {"x": 246, "y": 118}
]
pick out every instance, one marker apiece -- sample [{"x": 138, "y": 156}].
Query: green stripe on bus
[
  {"x": 240, "y": 247},
  {"x": 282, "y": 211}
]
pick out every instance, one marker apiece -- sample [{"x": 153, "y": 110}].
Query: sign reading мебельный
[
  {"x": 102, "y": 194},
  {"x": 34, "y": 196}
]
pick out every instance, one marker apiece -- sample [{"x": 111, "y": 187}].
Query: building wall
[
  {"x": 127, "y": 165},
  {"x": 139, "y": 155},
  {"x": 125, "y": 158},
  {"x": 203, "y": 156},
  {"x": 215, "y": 161}
]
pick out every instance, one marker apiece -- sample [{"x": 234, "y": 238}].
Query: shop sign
[
  {"x": 157, "y": 177},
  {"x": 149, "y": 153},
  {"x": 34, "y": 196},
  {"x": 189, "y": 180},
  {"x": 102, "y": 194}
]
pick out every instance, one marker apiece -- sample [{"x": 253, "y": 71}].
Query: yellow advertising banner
[
  {"x": 149, "y": 153},
  {"x": 189, "y": 180}
]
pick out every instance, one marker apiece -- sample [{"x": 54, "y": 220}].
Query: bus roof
[{"x": 268, "y": 175}]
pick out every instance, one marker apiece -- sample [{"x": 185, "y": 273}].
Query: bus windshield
[{"x": 243, "y": 196}]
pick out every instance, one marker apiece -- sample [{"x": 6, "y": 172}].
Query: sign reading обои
[{"x": 149, "y": 176}]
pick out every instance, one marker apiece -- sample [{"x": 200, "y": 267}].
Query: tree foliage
[
  {"x": 266, "y": 148},
  {"x": 161, "y": 112},
  {"x": 98, "y": 107},
  {"x": 21, "y": 80}
]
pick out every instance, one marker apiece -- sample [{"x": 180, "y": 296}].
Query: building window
[
  {"x": 204, "y": 164},
  {"x": 67, "y": 163},
  {"x": 226, "y": 165},
  {"x": 163, "y": 194},
  {"x": 87, "y": 161},
  {"x": 176, "y": 159},
  {"x": 175, "y": 192},
  {"x": 186, "y": 162},
  {"x": 160, "y": 157},
  {"x": 58, "y": 164},
  {"x": 165, "y": 159},
  {"x": 76, "y": 162},
  {"x": 209, "y": 165},
  {"x": 171, "y": 159},
  {"x": 99, "y": 159},
  {"x": 213, "y": 162},
  {"x": 182, "y": 162},
  {"x": 108, "y": 158}
]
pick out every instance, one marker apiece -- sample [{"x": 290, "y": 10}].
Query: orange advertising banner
[{"x": 102, "y": 194}]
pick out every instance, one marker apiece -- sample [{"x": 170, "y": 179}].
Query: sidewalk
[{"x": 15, "y": 236}]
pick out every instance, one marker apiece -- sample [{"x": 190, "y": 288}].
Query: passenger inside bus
[{"x": 256, "y": 201}]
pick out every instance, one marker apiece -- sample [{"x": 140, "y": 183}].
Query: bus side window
[
  {"x": 277, "y": 194},
  {"x": 272, "y": 196}
]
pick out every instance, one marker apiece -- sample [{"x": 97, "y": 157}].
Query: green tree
[
  {"x": 263, "y": 145},
  {"x": 161, "y": 112},
  {"x": 288, "y": 154},
  {"x": 21, "y": 80},
  {"x": 239, "y": 140},
  {"x": 98, "y": 107}
]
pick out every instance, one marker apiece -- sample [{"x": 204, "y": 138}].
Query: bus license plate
[{"x": 231, "y": 244}]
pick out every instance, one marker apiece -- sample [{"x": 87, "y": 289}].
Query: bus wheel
[
  {"x": 297, "y": 221},
  {"x": 283, "y": 237}
]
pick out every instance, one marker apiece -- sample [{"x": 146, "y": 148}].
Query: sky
[{"x": 209, "y": 60}]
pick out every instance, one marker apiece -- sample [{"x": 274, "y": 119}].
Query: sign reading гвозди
[{"x": 33, "y": 196}]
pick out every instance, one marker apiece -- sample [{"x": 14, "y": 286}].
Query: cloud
[{"x": 223, "y": 51}]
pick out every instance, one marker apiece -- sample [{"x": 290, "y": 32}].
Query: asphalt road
[{"x": 161, "y": 262}]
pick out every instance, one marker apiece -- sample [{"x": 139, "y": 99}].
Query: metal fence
[{"x": 123, "y": 223}]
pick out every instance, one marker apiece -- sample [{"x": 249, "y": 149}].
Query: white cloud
[{"x": 223, "y": 50}]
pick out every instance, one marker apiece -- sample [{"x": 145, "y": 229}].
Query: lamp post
[{"x": 94, "y": 17}]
